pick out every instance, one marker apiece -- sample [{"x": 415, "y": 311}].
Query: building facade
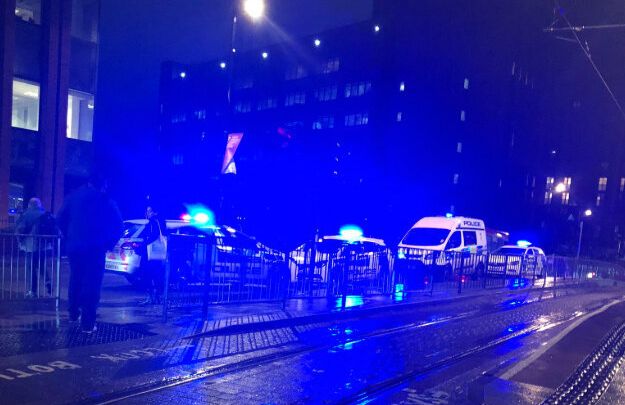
[
  {"x": 48, "y": 62},
  {"x": 428, "y": 108}
]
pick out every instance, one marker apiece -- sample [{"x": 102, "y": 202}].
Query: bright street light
[
  {"x": 317, "y": 42},
  {"x": 254, "y": 9},
  {"x": 222, "y": 65},
  {"x": 265, "y": 55},
  {"x": 588, "y": 213},
  {"x": 560, "y": 188}
]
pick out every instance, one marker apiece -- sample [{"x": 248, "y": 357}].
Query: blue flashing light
[
  {"x": 449, "y": 215},
  {"x": 523, "y": 243},
  {"x": 351, "y": 233},
  {"x": 401, "y": 254},
  {"x": 199, "y": 215},
  {"x": 201, "y": 218}
]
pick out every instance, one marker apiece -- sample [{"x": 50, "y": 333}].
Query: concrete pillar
[
  {"x": 56, "y": 30},
  {"x": 7, "y": 56}
]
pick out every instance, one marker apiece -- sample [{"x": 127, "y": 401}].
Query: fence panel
[{"x": 29, "y": 267}]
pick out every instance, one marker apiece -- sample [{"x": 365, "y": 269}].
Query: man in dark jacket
[
  {"x": 32, "y": 246},
  {"x": 91, "y": 224}
]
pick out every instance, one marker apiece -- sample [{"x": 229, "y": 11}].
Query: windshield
[
  {"x": 426, "y": 236},
  {"x": 509, "y": 252}
]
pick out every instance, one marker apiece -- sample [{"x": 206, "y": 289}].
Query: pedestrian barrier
[
  {"x": 203, "y": 271},
  {"x": 30, "y": 267}
]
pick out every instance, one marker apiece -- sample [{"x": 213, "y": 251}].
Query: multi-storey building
[
  {"x": 48, "y": 60},
  {"x": 430, "y": 107}
]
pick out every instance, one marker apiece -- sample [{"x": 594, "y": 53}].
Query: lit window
[
  {"x": 565, "y": 198},
  {"x": 326, "y": 93},
  {"x": 550, "y": 181},
  {"x": 357, "y": 89},
  {"x": 295, "y": 98},
  {"x": 399, "y": 116},
  {"x": 331, "y": 66},
  {"x": 267, "y": 104},
  {"x": 548, "y": 197},
  {"x": 402, "y": 86},
  {"x": 80, "y": 116},
  {"x": 200, "y": 114},
  {"x": 567, "y": 182},
  {"x": 356, "y": 119},
  {"x": 603, "y": 183},
  {"x": 243, "y": 107},
  {"x": 459, "y": 147},
  {"x": 513, "y": 68},
  {"x": 466, "y": 83},
  {"x": 463, "y": 115},
  {"x": 177, "y": 118},
  {"x": 296, "y": 72},
  {"x": 456, "y": 178},
  {"x": 25, "y": 111},
  {"x": 598, "y": 202},
  {"x": 326, "y": 122},
  {"x": 28, "y": 11},
  {"x": 622, "y": 188}
]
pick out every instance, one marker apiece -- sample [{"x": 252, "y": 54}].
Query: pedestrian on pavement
[
  {"x": 33, "y": 245},
  {"x": 154, "y": 256},
  {"x": 91, "y": 224}
]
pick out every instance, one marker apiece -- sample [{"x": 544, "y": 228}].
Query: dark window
[
  {"x": 470, "y": 238},
  {"x": 454, "y": 242}
]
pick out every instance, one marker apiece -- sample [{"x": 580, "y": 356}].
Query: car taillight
[{"x": 130, "y": 246}]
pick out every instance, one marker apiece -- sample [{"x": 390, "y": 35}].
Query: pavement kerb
[{"x": 351, "y": 313}]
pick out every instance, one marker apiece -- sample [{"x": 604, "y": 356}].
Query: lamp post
[
  {"x": 254, "y": 10},
  {"x": 587, "y": 213}
]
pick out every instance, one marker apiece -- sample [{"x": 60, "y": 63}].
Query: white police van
[{"x": 446, "y": 241}]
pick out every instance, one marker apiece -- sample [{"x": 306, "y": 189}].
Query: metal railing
[
  {"x": 30, "y": 267},
  {"x": 203, "y": 271}
]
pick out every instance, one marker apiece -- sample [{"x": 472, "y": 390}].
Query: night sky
[{"x": 137, "y": 35}]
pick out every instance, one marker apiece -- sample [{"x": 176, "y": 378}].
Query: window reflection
[
  {"x": 25, "y": 111},
  {"x": 80, "y": 116},
  {"x": 28, "y": 11}
]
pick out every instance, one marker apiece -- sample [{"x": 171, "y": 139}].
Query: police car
[
  {"x": 236, "y": 255},
  {"x": 521, "y": 259},
  {"x": 366, "y": 259}
]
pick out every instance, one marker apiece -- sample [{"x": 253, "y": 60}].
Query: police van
[{"x": 451, "y": 242}]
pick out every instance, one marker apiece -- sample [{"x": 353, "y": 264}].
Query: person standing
[
  {"x": 32, "y": 245},
  {"x": 91, "y": 224},
  {"x": 153, "y": 264}
]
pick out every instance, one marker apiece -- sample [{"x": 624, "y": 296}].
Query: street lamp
[
  {"x": 587, "y": 213},
  {"x": 560, "y": 188},
  {"x": 255, "y": 9}
]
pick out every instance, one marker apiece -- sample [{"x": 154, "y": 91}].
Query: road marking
[
  {"x": 38, "y": 370},
  {"x": 539, "y": 352}
]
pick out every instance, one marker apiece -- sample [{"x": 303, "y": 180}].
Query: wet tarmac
[{"x": 427, "y": 353}]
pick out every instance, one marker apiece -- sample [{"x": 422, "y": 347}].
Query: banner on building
[{"x": 228, "y": 165}]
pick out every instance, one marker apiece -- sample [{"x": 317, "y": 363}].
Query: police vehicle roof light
[
  {"x": 523, "y": 243},
  {"x": 351, "y": 233}
]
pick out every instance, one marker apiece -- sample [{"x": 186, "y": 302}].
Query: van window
[
  {"x": 454, "y": 242},
  {"x": 470, "y": 238},
  {"x": 426, "y": 236}
]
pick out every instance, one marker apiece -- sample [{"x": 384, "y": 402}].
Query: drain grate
[{"x": 33, "y": 338}]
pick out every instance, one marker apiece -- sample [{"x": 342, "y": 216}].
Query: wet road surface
[{"x": 428, "y": 354}]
